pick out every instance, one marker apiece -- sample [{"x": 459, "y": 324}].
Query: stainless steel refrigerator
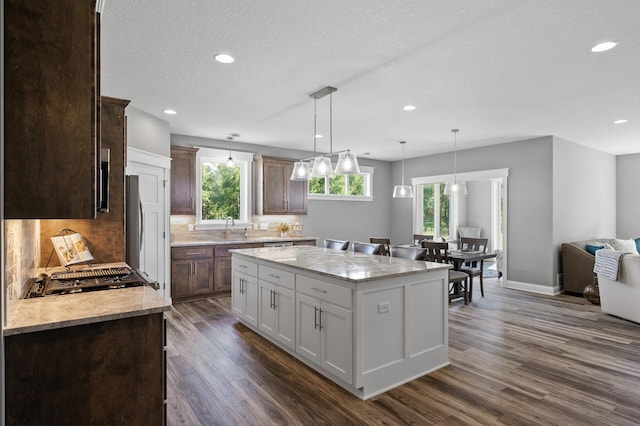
[{"x": 134, "y": 222}]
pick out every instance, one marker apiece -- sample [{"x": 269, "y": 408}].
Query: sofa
[
  {"x": 622, "y": 297},
  {"x": 577, "y": 262}
]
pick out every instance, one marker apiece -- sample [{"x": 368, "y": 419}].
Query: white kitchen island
[{"x": 369, "y": 323}]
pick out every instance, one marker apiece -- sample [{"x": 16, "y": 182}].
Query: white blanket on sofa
[{"x": 608, "y": 263}]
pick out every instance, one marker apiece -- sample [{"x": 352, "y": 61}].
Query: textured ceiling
[{"x": 498, "y": 70}]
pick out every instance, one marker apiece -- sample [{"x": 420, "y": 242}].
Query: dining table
[{"x": 460, "y": 257}]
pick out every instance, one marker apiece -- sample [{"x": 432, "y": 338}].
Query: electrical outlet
[
  {"x": 384, "y": 307},
  {"x": 190, "y": 226},
  {"x": 255, "y": 226},
  {"x": 264, "y": 226}
]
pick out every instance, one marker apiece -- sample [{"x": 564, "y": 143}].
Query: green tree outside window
[{"x": 220, "y": 191}]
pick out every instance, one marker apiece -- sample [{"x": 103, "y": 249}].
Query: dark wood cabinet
[
  {"x": 276, "y": 193},
  {"x": 105, "y": 234},
  {"x": 109, "y": 372},
  {"x": 51, "y": 82},
  {"x": 192, "y": 272},
  {"x": 183, "y": 180}
]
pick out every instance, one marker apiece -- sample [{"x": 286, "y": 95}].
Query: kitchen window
[
  {"x": 343, "y": 187},
  {"x": 223, "y": 191}
]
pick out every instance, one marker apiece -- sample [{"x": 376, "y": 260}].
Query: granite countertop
[
  {"x": 67, "y": 310},
  {"x": 186, "y": 243},
  {"x": 341, "y": 264}
]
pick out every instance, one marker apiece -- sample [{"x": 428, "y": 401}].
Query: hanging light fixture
[
  {"x": 403, "y": 191},
  {"x": 229, "y": 162},
  {"x": 321, "y": 166},
  {"x": 455, "y": 187}
]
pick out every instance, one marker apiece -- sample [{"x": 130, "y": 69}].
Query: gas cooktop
[{"x": 91, "y": 279}]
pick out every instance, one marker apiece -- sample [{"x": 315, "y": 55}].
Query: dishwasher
[{"x": 279, "y": 244}]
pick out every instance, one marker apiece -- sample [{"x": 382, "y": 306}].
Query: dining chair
[
  {"x": 418, "y": 238},
  {"x": 336, "y": 244},
  {"x": 384, "y": 244},
  {"x": 473, "y": 269},
  {"x": 366, "y": 248},
  {"x": 414, "y": 253},
  {"x": 437, "y": 252}
]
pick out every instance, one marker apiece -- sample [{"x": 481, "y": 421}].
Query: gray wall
[
  {"x": 347, "y": 220},
  {"x": 584, "y": 195},
  {"x": 628, "y": 196},
  {"x": 148, "y": 132}
]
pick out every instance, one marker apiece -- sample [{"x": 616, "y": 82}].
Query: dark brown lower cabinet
[{"x": 106, "y": 373}]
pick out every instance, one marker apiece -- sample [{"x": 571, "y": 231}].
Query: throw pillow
[
  {"x": 593, "y": 249},
  {"x": 628, "y": 246}
]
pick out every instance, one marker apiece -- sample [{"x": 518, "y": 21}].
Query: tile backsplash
[
  {"x": 23, "y": 255},
  {"x": 182, "y": 229}
]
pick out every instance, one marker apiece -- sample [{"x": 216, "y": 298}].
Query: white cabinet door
[
  {"x": 250, "y": 286},
  {"x": 308, "y": 333},
  {"x": 285, "y": 308},
  {"x": 267, "y": 313},
  {"x": 337, "y": 343},
  {"x": 238, "y": 300}
]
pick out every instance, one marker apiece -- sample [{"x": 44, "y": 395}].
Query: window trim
[
  {"x": 245, "y": 161},
  {"x": 368, "y": 189}
]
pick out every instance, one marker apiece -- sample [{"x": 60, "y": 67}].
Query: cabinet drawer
[
  {"x": 223, "y": 250},
  {"x": 178, "y": 253},
  {"x": 331, "y": 293},
  {"x": 244, "y": 266},
  {"x": 276, "y": 276}
]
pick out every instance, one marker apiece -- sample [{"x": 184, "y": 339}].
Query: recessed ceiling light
[
  {"x": 318, "y": 136},
  {"x": 366, "y": 153},
  {"x": 408, "y": 107},
  {"x": 620, "y": 121},
  {"x": 224, "y": 58},
  {"x": 235, "y": 135},
  {"x": 604, "y": 46},
  {"x": 170, "y": 111}
]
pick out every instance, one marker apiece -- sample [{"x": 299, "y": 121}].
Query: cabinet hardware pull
[
  {"x": 271, "y": 299},
  {"x": 192, "y": 253},
  {"x": 315, "y": 318},
  {"x": 319, "y": 290},
  {"x": 241, "y": 282},
  {"x": 242, "y": 266},
  {"x": 274, "y": 300},
  {"x": 321, "y": 326},
  {"x": 195, "y": 269},
  {"x": 274, "y": 275}
]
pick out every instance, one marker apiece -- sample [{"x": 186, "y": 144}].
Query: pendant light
[
  {"x": 321, "y": 166},
  {"x": 229, "y": 162},
  {"x": 455, "y": 187},
  {"x": 403, "y": 191}
]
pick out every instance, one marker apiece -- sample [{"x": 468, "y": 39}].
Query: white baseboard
[{"x": 533, "y": 288}]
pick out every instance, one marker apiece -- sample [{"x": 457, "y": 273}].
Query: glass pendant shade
[
  {"x": 230, "y": 161},
  {"x": 403, "y": 191},
  {"x": 322, "y": 168},
  {"x": 455, "y": 187},
  {"x": 347, "y": 164},
  {"x": 300, "y": 171}
]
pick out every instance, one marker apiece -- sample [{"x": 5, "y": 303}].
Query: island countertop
[
  {"x": 341, "y": 264},
  {"x": 67, "y": 310}
]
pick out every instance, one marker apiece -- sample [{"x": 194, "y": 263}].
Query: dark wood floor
[{"x": 516, "y": 359}]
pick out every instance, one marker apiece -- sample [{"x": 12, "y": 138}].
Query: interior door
[{"x": 153, "y": 256}]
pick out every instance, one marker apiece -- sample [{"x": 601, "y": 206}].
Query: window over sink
[{"x": 223, "y": 190}]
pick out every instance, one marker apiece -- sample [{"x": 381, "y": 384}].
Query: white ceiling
[{"x": 498, "y": 70}]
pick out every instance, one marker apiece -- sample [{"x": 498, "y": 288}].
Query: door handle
[
  {"x": 315, "y": 318},
  {"x": 274, "y": 299},
  {"x": 321, "y": 326}
]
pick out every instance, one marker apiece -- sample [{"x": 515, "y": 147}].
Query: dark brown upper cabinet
[
  {"x": 51, "y": 117},
  {"x": 276, "y": 193},
  {"x": 183, "y": 180}
]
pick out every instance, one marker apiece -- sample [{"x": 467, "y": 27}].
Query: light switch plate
[{"x": 384, "y": 307}]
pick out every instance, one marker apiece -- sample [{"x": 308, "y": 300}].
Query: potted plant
[{"x": 283, "y": 228}]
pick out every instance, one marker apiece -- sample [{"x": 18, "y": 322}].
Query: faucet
[{"x": 226, "y": 226}]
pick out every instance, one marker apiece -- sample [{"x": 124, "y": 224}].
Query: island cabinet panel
[
  {"x": 108, "y": 373},
  {"x": 277, "y": 304},
  {"x": 51, "y": 122},
  {"x": 369, "y": 327},
  {"x": 183, "y": 180},
  {"x": 275, "y": 192}
]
